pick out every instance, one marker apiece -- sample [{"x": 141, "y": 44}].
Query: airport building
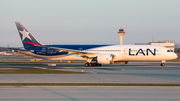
[{"x": 167, "y": 44}]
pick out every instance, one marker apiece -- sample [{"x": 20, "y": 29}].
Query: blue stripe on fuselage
[
  {"x": 77, "y": 47},
  {"x": 51, "y": 52}
]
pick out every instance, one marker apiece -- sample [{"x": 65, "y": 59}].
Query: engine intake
[{"x": 105, "y": 59}]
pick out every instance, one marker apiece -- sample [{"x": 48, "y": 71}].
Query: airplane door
[
  {"x": 158, "y": 51},
  {"x": 126, "y": 55},
  {"x": 125, "y": 51},
  {"x": 159, "y": 55}
]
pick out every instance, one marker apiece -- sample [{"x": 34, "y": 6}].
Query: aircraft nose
[
  {"x": 171, "y": 56},
  {"x": 175, "y": 56}
]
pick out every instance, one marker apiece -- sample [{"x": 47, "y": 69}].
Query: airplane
[{"x": 95, "y": 55}]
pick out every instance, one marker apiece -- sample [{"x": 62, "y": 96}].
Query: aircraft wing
[{"x": 71, "y": 51}]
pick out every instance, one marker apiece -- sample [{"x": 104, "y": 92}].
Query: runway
[
  {"x": 89, "y": 93},
  {"x": 141, "y": 72},
  {"x": 132, "y": 73}
]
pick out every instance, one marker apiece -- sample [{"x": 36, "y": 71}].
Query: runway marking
[
  {"x": 40, "y": 67},
  {"x": 90, "y": 97}
]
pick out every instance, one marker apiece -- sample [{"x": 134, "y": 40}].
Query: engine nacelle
[{"x": 105, "y": 59}]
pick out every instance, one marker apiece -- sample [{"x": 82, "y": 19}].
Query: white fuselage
[
  {"x": 136, "y": 52},
  {"x": 122, "y": 53}
]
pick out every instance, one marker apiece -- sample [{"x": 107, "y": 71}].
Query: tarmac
[
  {"x": 89, "y": 93},
  {"x": 140, "y": 72},
  {"x": 132, "y": 73}
]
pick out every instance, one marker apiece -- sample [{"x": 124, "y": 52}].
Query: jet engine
[{"x": 105, "y": 59}]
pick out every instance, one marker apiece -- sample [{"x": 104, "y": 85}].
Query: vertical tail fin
[{"x": 26, "y": 36}]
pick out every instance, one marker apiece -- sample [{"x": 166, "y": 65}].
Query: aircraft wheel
[
  {"x": 87, "y": 64},
  {"x": 91, "y": 64},
  {"x": 162, "y": 64}
]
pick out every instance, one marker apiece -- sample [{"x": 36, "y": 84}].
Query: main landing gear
[
  {"x": 92, "y": 64},
  {"x": 162, "y": 63}
]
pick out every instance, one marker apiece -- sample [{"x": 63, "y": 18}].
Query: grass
[
  {"x": 36, "y": 71},
  {"x": 83, "y": 84}
]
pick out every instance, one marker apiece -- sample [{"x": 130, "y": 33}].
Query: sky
[{"x": 90, "y": 21}]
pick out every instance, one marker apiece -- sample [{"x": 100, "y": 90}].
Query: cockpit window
[{"x": 169, "y": 51}]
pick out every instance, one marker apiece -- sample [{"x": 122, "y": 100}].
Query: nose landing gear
[{"x": 162, "y": 63}]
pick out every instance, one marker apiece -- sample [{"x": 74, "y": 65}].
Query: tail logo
[{"x": 25, "y": 35}]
